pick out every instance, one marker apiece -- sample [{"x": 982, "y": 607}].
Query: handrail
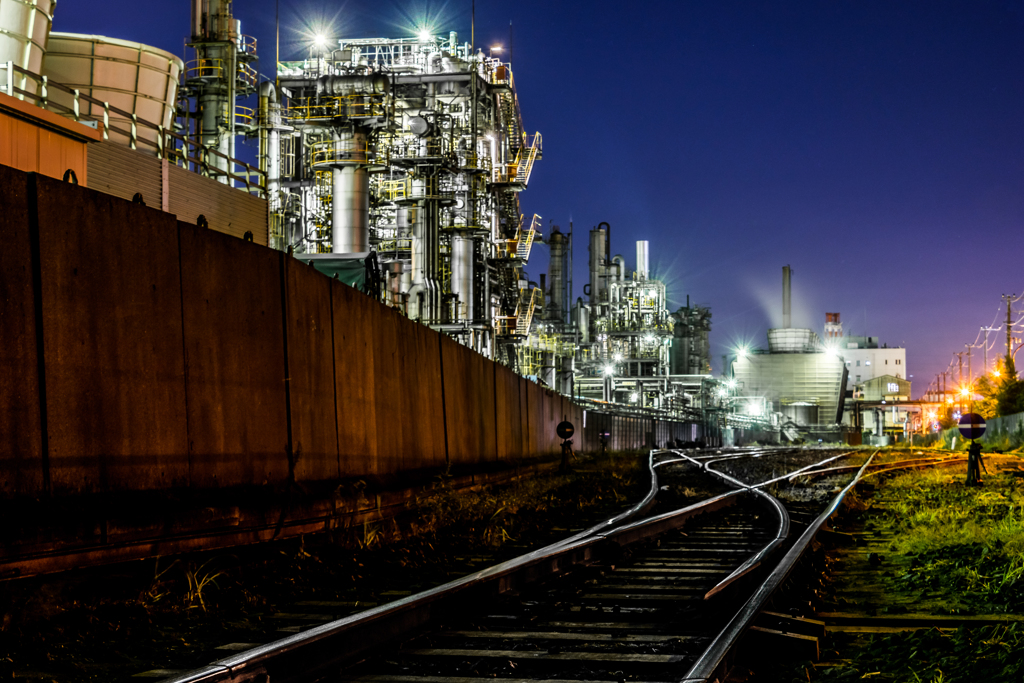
[{"x": 200, "y": 163}]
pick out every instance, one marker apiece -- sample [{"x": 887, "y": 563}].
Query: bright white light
[
  {"x": 634, "y": 396},
  {"x": 609, "y": 370},
  {"x": 731, "y": 384},
  {"x": 425, "y": 35},
  {"x": 618, "y": 357},
  {"x": 496, "y": 49},
  {"x": 320, "y": 40},
  {"x": 649, "y": 338},
  {"x": 741, "y": 352}
]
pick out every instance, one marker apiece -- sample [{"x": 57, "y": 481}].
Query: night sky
[{"x": 876, "y": 147}]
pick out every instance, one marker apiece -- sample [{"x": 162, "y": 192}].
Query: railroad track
[{"x": 652, "y": 598}]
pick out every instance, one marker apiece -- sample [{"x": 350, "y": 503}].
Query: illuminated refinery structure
[
  {"x": 621, "y": 345},
  {"x": 414, "y": 150},
  {"x": 393, "y": 164}
]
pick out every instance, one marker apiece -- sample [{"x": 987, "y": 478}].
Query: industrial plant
[{"x": 396, "y": 165}]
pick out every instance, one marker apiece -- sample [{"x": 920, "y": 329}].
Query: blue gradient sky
[{"x": 875, "y": 146}]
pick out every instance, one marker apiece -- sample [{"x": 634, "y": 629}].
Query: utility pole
[
  {"x": 987, "y": 330},
  {"x": 1008, "y": 299},
  {"x": 970, "y": 375}
]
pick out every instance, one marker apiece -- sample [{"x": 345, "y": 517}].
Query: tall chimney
[
  {"x": 643, "y": 268},
  {"x": 786, "y": 309}
]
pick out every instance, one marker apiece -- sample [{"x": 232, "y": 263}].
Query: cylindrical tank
[
  {"x": 24, "y": 28},
  {"x": 462, "y": 276},
  {"x": 350, "y": 210},
  {"x": 598, "y": 252},
  {"x": 556, "y": 273},
  {"x": 133, "y": 77}
]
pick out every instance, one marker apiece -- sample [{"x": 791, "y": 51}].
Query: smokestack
[
  {"x": 642, "y": 260},
  {"x": 787, "y": 317}
]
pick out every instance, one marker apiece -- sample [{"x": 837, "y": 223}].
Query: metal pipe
[{"x": 371, "y": 84}]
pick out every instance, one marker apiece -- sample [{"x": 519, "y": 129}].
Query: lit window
[{"x": 867, "y": 362}]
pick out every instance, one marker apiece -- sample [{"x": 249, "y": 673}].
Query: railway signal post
[{"x": 972, "y": 426}]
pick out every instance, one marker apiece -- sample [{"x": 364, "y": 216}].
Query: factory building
[{"x": 798, "y": 375}]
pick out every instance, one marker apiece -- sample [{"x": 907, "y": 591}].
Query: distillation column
[
  {"x": 214, "y": 32},
  {"x": 425, "y": 295},
  {"x": 556, "y": 273},
  {"x": 598, "y": 267},
  {"x": 463, "y": 257}
]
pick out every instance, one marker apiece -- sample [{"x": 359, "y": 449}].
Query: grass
[
  {"x": 965, "y": 544},
  {"x": 957, "y": 550},
  {"x": 111, "y": 622},
  {"x": 992, "y": 654}
]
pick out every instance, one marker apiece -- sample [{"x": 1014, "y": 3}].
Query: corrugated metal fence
[{"x": 120, "y": 171}]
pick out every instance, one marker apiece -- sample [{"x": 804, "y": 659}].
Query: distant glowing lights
[
  {"x": 618, "y": 357},
  {"x": 320, "y": 41},
  {"x": 634, "y": 396},
  {"x": 425, "y": 34},
  {"x": 609, "y": 370}
]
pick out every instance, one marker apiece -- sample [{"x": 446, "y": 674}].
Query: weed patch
[{"x": 964, "y": 545}]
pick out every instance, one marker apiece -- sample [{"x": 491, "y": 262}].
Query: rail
[
  {"x": 710, "y": 666},
  {"x": 322, "y": 649},
  {"x": 167, "y": 144}
]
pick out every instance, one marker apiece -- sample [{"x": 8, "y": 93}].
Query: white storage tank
[
  {"x": 24, "y": 27},
  {"x": 133, "y": 77}
]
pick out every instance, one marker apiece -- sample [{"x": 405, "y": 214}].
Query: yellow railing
[
  {"x": 204, "y": 68},
  {"x": 352, "y": 106},
  {"x": 338, "y": 151},
  {"x": 521, "y": 245},
  {"x": 395, "y": 190},
  {"x": 519, "y": 324},
  {"x": 248, "y": 75},
  {"x": 244, "y": 116},
  {"x": 526, "y": 239},
  {"x": 398, "y": 244},
  {"x": 519, "y": 170},
  {"x": 247, "y": 44}
]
